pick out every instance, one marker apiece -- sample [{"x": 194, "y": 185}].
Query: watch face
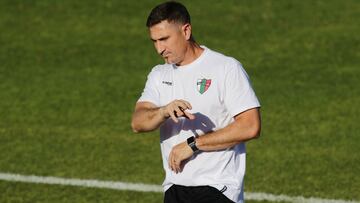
[
  {"x": 190, "y": 140},
  {"x": 192, "y": 144}
]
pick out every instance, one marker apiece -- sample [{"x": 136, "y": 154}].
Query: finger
[
  {"x": 183, "y": 106},
  {"x": 174, "y": 163},
  {"x": 173, "y": 117},
  {"x": 178, "y": 112},
  {"x": 177, "y": 165},
  {"x": 187, "y": 104},
  {"x": 174, "y": 167},
  {"x": 189, "y": 115},
  {"x": 171, "y": 162},
  {"x": 176, "y": 108}
]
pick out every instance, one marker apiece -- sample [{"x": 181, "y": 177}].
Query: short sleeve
[
  {"x": 151, "y": 91},
  {"x": 239, "y": 95}
]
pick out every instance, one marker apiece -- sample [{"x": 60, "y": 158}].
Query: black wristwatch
[{"x": 192, "y": 144}]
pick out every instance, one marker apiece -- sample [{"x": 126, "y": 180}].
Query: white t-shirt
[{"x": 218, "y": 89}]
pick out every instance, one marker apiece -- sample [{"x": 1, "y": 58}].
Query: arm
[
  {"x": 246, "y": 126},
  {"x": 148, "y": 117}
]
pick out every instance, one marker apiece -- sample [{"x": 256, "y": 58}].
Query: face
[{"x": 170, "y": 40}]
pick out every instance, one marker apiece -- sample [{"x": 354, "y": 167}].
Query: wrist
[
  {"x": 191, "y": 141},
  {"x": 163, "y": 112}
]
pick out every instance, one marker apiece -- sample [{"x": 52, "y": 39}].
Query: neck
[{"x": 193, "y": 51}]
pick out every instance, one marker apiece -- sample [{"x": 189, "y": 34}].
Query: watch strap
[{"x": 192, "y": 143}]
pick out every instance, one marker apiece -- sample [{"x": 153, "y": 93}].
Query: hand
[
  {"x": 177, "y": 108},
  {"x": 178, "y": 154}
]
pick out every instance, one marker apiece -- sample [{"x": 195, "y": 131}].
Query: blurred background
[{"x": 71, "y": 72}]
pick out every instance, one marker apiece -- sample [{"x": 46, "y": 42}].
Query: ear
[{"x": 186, "y": 31}]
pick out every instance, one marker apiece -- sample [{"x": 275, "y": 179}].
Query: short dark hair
[{"x": 171, "y": 11}]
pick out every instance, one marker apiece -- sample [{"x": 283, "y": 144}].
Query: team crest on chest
[{"x": 203, "y": 85}]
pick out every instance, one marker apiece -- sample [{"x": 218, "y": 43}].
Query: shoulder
[
  {"x": 159, "y": 70},
  {"x": 227, "y": 62}
]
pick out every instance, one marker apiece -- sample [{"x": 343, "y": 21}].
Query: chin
[
  {"x": 172, "y": 60},
  {"x": 169, "y": 61}
]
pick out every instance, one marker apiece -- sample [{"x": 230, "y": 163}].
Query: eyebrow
[{"x": 160, "y": 39}]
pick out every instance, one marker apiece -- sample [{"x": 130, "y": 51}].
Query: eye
[{"x": 163, "y": 38}]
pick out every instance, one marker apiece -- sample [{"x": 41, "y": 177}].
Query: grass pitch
[{"x": 71, "y": 73}]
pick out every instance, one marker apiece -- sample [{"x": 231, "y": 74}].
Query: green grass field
[{"x": 71, "y": 72}]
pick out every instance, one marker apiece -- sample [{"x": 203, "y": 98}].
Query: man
[{"x": 205, "y": 107}]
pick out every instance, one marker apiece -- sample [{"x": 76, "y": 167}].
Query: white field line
[
  {"x": 150, "y": 188},
  {"x": 81, "y": 182}
]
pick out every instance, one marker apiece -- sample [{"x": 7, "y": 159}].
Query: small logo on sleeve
[
  {"x": 203, "y": 85},
  {"x": 167, "y": 83}
]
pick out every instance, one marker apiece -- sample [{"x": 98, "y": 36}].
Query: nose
[{"x": 159, "y": 47}]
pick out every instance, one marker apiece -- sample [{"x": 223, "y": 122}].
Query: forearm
[
  {"x": 235, "y": 133},
  {"x": 147, "y": 119}
]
